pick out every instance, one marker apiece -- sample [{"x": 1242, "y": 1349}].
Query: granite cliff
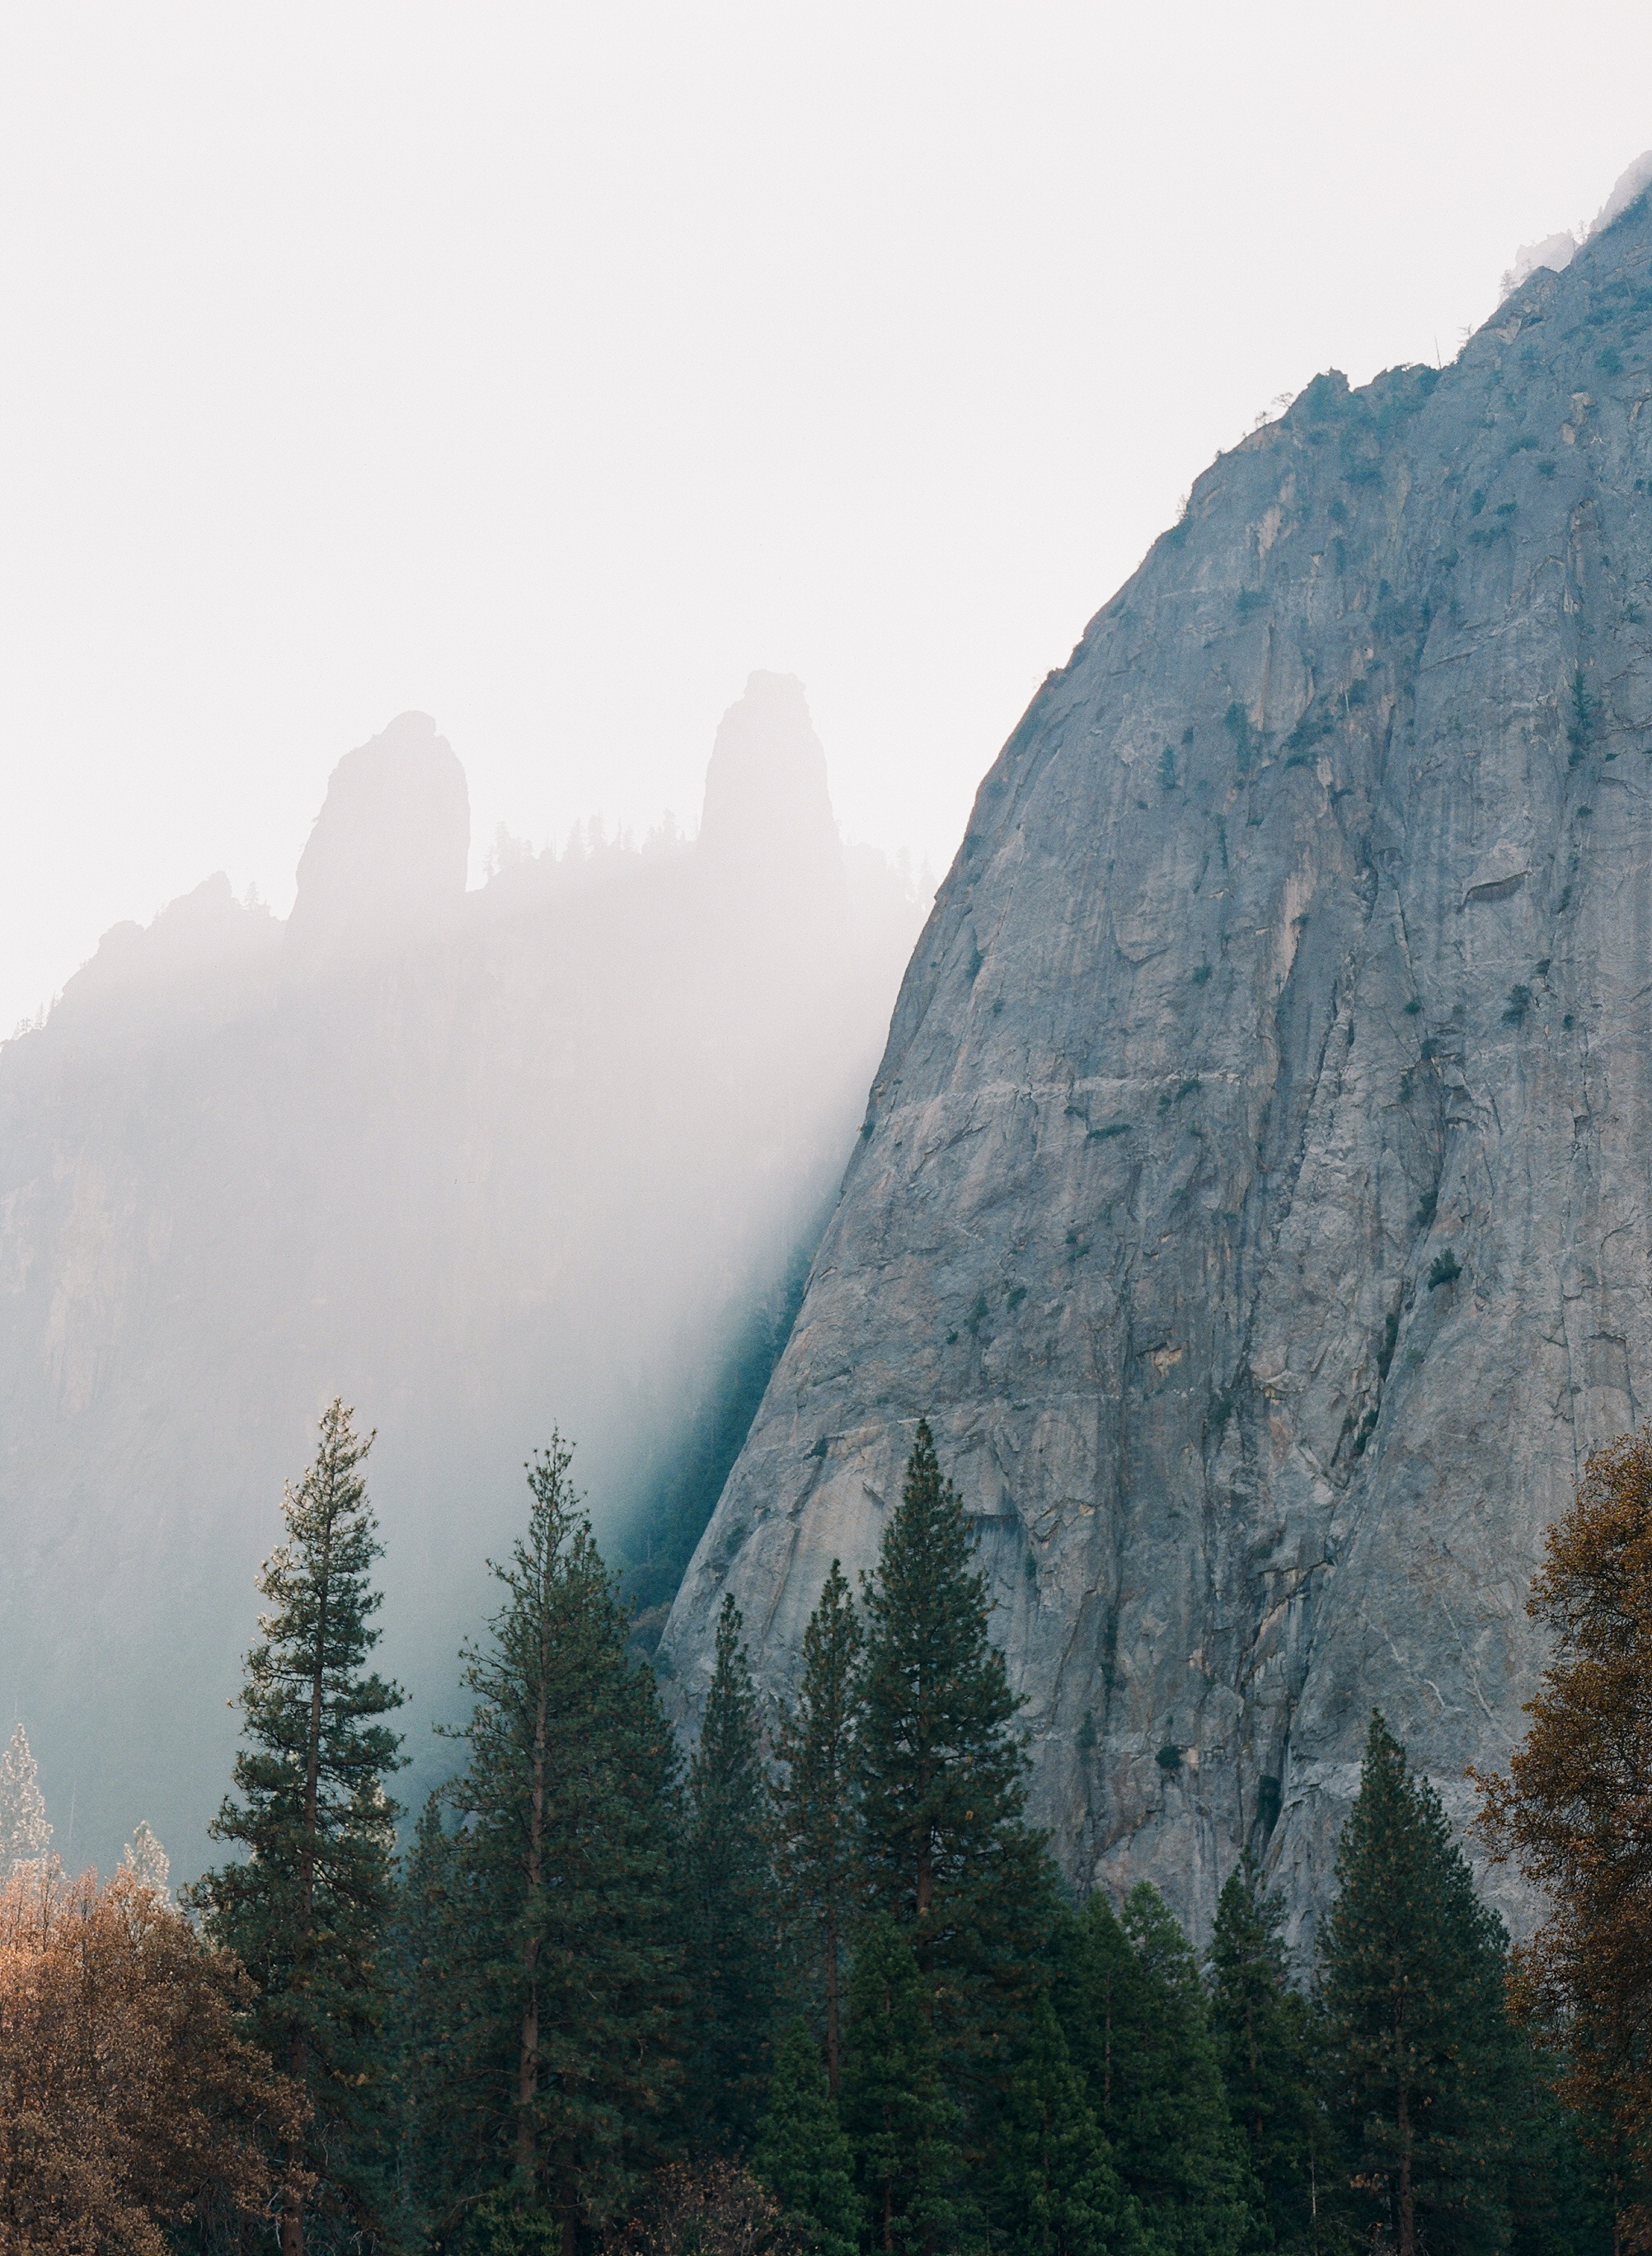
[
  {"x": 479, "y": 1161},
  {"x": 1253, "y": 1193}
]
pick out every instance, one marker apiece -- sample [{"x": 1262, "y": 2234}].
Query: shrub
[{"x": 1446, "y": 1270}]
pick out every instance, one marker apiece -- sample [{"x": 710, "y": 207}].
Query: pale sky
[{"x": 551, "y": 367}]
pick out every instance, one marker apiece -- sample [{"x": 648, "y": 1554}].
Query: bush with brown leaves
[
  {"x": 130, "y": 2101},
  {"x": 708, "y": 2209}
]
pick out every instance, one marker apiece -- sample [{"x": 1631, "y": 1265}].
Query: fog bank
[{"x": 550, "y": 1151}]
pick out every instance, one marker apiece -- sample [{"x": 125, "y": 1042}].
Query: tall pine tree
[
  {"x": 734, "y": 1912},
  {"x": 802, "y": 2154},
  {"x": 1056, "y": 2190},
  {"x": 901, "y": 2125},
  {"x": 1261, "y": 2026},
  {"x": 1134, "y": 2016},
  {"x": 1418, "y": 2045},
  {"x": 426, "y": 2028},
  {"x": 305, "y": 1909},
  {"x": 947, "y": 1853},
  {"x": 817, "y": 1817},
  {"x": 567, "y": 1939}
]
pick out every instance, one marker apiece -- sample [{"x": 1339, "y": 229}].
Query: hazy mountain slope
[
  {"x": 1254, "y": 1189},
  {"x": 477, "y": 1161}
]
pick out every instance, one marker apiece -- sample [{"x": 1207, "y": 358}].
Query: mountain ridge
[{"x": 1219, "y": 1196}]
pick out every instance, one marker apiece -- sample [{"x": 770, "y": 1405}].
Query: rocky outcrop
[
  {"x": 1253, "y": 1193},
  {"x": 386, "y": 859},
  {"x": 480, "y": 1162}
]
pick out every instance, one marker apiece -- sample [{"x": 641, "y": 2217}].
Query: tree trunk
[
  {"x": 832, "y": 2003},
  {"x": 528, "y": 2060},
  {"x": 1408, "y": 2199},
  {"x": 291, "y": 2201}
]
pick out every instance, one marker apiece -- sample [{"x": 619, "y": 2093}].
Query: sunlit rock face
[
  {"x": 479, "y": 1162},
  {"x": 1254, "y": 1192}
]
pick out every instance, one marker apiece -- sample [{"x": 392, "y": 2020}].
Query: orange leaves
[
  {"x": 1575, "y": 1812},
  {"x": 127, "y": 2099}
]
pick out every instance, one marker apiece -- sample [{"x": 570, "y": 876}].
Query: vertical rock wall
[{"x": 1255, "y": 1193}]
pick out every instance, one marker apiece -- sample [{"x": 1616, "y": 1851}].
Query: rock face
[
  {"x": 479, "y": 1162},
  {"x": 1253, "y": 1193},
  {"x": 386, "y": 858}
]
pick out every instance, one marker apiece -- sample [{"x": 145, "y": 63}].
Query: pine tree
[
  {"x": 1417, "y": 2042},
  {"x": 902, "y": 2127},
  {"x": 817, "y": 1821},
  {"x": 564, "y": 1913},
  {"x": 802, "y": 2154},
  {"x": 1259, "y": 2024},
  {"x": 147, "y": 1862},
  {"x": 305, "y": 1911},
  {"x": 947, "y": 1853},
  {"x": 24, "y": 1833},
  {"x": 1136, "y": 2026},
  {"x": 426, "y": 2028},
  {"x": 1056, "y": 2189},
  {"x": 733, "y": 1909}
]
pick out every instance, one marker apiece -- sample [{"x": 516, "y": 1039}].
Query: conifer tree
[
  {"x": 732, "y": 1908},
  {"x": 427, "y": 2029},
  {"x": 1056, "y": 2191},
  {"x": 1417, "y": 2042},
  {"x": 802, "y": 2154},
  {"x": 902, "y": 2127},
  {"x": 305, "y": 1909},
  {"x": 817, "y": 1821},
  {"x": 562, "y": 1896},
  {"x": 26, "y": 1833},
  {"x": 1136, "y": 2026},
  {"x": 947, "y": 1852},
  {"x": 1259, "y": 2023}
]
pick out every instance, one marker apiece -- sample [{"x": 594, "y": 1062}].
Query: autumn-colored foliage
[
  {"x": 1575, "y": 1811},
  {"x": 716, "y": 2209},
  {"x": 128, "y": 2101}
]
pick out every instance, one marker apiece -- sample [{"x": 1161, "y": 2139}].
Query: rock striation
[{"x": 1254, "y": 1192}]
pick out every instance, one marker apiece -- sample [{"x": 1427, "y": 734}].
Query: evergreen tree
[
  {"x": 733, "y": 1910},
  {"x": 818, "y": 1824},
  {"x": 305, "y": 1911},
  {"x": 1056, "y": 2191},
  {"x": 427, "y": 2025},
  {"x": 802, "y": 2154},
  {"x": 1564, "y": 2198},
  {"x": 1418, "y": 2044},
  {"x": 1136, "y": 2026},
  {"x": 902, "y": 2127},
  {"x": 947, "y": 1853},
  {"x": 25, "y": 1834},
  {"x": 562, "y": 1907},
  {"x": 1259, "y": 2024}
]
